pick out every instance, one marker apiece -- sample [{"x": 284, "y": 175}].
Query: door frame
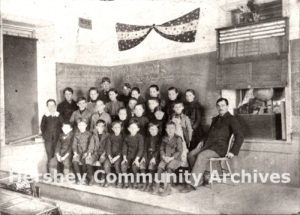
[{"x": 8, "y": 27}]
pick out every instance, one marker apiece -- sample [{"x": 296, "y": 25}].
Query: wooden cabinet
[{"x": 261, "y": 126}]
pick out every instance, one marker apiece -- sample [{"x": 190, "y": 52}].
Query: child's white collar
[{"x": 47, "y": 113}]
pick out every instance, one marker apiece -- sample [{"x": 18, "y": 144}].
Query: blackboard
[{"x": 195, "y": 71}]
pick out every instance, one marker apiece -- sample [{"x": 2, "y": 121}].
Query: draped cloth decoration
[{"x": 182, "y": 29}]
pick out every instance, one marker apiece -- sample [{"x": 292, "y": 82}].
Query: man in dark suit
[{"x": 216, "y": 142}]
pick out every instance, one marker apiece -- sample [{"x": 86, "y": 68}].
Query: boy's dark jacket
[
  {"x": 51, "y": 126},
  {"x": 64, "y": 144},
  {"x": 220, "y": 131},
  {"x": 133, "y": 146},
  {"x": 97, "y": 146}
]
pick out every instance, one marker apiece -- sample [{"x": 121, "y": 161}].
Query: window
[{"x": 261, "y": 112}]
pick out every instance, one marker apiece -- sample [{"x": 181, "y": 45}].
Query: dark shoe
[
  {"x": 135, "y": 185},
  {"x": 126, "y": 185},
  {"x": 188, "y": 188},
  {"x": 155, "y": 190},
  {"x": 142, "y": 187},
  {"x": 91, "y": 182},
  {"x": 167, "y": 191},
  {"x": 149, "y": 188}
]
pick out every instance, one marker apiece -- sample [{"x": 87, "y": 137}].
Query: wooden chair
[{"x": 225, "y": 159}]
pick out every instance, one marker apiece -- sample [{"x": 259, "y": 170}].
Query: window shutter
[{"x": 253, "y": 55}]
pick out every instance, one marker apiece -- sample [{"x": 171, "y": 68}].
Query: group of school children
[{"x": 121, "y": 133}]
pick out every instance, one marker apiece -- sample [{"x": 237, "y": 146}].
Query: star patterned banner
[{"x": 182, "y": 29}]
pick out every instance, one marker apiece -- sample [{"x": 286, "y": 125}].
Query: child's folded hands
[
  {"x": 58, "y": 157},
  {"x": 116, "y": 158},
  {"x": 89, "y": 156},
  {"x": 143, "y": 160},
  {"x": 111, "y": 160},
  {"x": 102, "y": 158},
  {"x": 136, "y": 162},
  {"x": 124, "y": 160},
  {"x": 64, "y": 157},
  {"x": 153, "y": 161},
  {"x": 85, "y": 155}
]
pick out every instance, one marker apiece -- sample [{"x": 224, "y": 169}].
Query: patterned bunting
[{"x": 182, "y": 29}]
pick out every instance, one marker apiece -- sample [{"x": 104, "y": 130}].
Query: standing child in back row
[
  {"x": 93, "y": 96},
  {"x": 68, "y": 106},
  {"x": 192, "y": 110},
  {"x": 81, "y": 113},
  {"x": 173, "y": 96},
  {"x": 114, "y": 105}
]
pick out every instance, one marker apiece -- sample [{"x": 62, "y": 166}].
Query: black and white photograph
[{"x": 149, "y": 107}]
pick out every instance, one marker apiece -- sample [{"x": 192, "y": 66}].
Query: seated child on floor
[
  {"x": 133, "y": 149},
  {"x": 80, "y": 149},
  {"x": 150, "y": 158},
  {"x": 63, "y": 151},
  {"x": 96, "y": 150},
  {"x": 170, "y": 156},
  {"x": 114, "y": 150}
]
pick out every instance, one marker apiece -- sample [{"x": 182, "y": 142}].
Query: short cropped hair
[
  {"x": 81, "y": 98},
  {"x": 93, "y": 88},
  {"x": 136, "y": 89},
  {"x": 133, "y": 99},
  {"x": 133, "y": 121},
  {"x": 66, "y": 123},
  {"x": 153, "y": 99},
  {"x": 222, "y": 99},
  {"x": 158, "y": 108},
  {"x": 79, "y": 120},
  {"x": 116, "y": 122},
  {"x": 191, "y": 91},
  {"x": 50, "y": 100},
  {"x": 127, "y": 85},
  {"x": 122, "y": 108},
  {"x": 154, "y": 86},
  {"x": 141, "y": 104},
  {"x": 113, "y": 90},
  {"x": 105, "y": 79},
  {"x": 100, "y": 121},
  {"x": 173, "y": 88},
  {"x": 178, "y": 102},
  {"x": 69, "y": 89},
  {"x": 170, "y": 123},
  {"x": 151, "y": 124}
]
